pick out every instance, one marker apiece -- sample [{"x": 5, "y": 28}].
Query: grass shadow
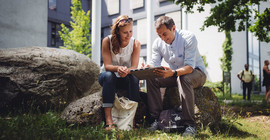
[
  {"x": 203, "y": 136},
  {"x": 228, "y": 128}
]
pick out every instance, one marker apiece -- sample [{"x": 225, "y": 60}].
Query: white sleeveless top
[{"x": 123, "y": 58}]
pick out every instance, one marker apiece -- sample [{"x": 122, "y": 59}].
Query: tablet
[{"x": 145, "y": 73}]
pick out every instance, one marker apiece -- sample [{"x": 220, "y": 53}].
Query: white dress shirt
[{"x": 183, "y": 51}]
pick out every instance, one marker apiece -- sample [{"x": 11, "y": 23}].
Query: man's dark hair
[{"x": 164, "y": 20}]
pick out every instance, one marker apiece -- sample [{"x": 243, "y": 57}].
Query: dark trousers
[
  {"x": 185, "y": 84},
  {"x": 111, "y": 84},
  {"x": 247, "y": 86}
]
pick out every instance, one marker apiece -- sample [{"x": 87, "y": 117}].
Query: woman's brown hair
[{"x": 116, "y": 42}]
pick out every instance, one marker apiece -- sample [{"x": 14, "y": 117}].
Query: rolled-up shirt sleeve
[
  {"x": 156, "y": 56},
  {"x": 191, "y": 51}
]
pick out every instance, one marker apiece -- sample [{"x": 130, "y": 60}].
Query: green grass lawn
[
  {"x": 50, "y": 126},
  {"x": 238, "y": 96},
  {"x": 240, "y": 120}
]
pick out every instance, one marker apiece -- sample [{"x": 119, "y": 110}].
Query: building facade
[
  {"x": 58, "y": 13},
  {"x": 23, "y": 23},
  {"x": 37, "y": 22},
  {"x": 209, "y": 41},
  {"x": 137, "y": 10}
]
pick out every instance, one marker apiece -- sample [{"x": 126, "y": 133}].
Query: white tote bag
[{"x": 123, "y": 112}]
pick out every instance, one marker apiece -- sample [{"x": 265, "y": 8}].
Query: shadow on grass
[
  {"x": 247, "y": 109},
  {"x": 203, "y": 136},
  {"x": 229, "y": 128}
]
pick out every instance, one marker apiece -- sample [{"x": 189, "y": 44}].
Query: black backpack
[{"x": 171, "y": 120}]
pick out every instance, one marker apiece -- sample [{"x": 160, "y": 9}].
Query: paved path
[{"x": 242, "y": 101}]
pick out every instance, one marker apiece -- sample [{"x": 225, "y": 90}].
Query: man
[
  {"x": 246, "y": 78},
  {"x": 186, "y": 71}
]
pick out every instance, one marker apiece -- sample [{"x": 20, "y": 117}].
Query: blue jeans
[{"x": 111, "y": 84}]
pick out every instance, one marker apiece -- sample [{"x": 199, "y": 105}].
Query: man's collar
[{"x": 175, "y": 39}]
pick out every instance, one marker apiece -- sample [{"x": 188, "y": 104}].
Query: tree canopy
[
  {"x": 233, "y": 15},
  {"x": 78, "y": 38}
]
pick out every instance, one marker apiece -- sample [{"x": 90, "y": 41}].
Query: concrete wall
[
  {"x": 125, "y": 8},
  {"x": 138, "y": 13},
  {"x": 23, "y": 23},
  {"x": 239, "y": 58},
  {"x": 209, "y": 42}
]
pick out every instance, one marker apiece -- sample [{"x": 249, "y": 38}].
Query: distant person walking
[
  {"x": 247, "y": 77},
  {"x": 266, "y": 79}
]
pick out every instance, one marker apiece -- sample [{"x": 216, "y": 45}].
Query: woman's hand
[
  {"x": 122, "y": 71},
  {"x": 143, "y": 65}
]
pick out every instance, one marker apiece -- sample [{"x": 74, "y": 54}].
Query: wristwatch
[{"x": 175, "y": 74}]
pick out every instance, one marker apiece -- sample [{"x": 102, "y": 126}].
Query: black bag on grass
[{"x": 171, "y": 120}]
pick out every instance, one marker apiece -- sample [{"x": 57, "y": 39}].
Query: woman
[
  {"x": 266, "y": 79},
  {"x": 120, "y": 53}
]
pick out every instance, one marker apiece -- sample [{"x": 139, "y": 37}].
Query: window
[
  {"x": 55, "y": 37},
  {"x": 134, "y": 4},
  {"x": 53, "y": 34},
  {"x": 52, "y": 4},
  {"x": 142, "y": 31},
  {"x": 58, "y": 40},
  {"x": 176, "y": 16},
  {"x": 112, "y": 7}
]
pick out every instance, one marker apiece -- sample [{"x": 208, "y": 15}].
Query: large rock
[
  {"x": 45, "y": 77},
  {"x": 86, "y": 110},
  {"x": 208, "y": 111},
  {"x": 209, "y": 108}
]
